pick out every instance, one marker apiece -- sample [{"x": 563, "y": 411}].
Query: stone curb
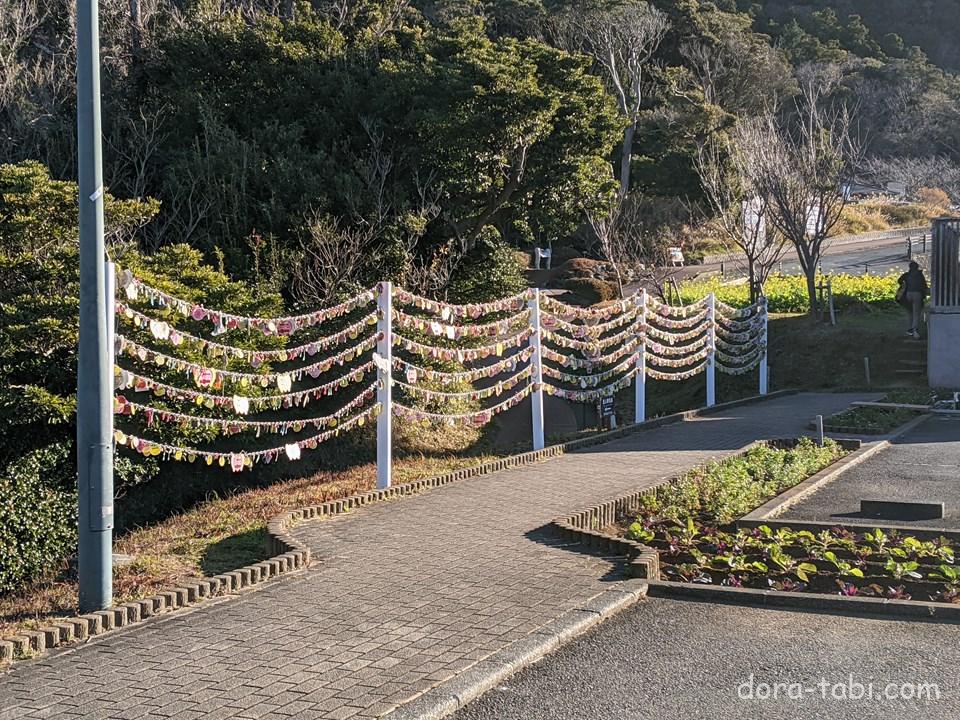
[
  {"x": 448, "y": 697},
  {"x": 290, "y": 554},
  {"x": 811, "y": 602}
]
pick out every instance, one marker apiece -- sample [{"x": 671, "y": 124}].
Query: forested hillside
[
  {"x": 440, "y": 132},
  {"x": 882, "y": 28}
]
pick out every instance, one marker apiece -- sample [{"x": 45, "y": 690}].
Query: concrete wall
[{"x": 943, "y": 356}]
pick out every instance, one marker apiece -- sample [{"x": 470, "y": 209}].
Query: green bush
[
  {"x": 37, "y": 516},
  {"x": 788, "y": 293},
  {"x": 591, "y": 291},
  {"x": 492, "y": 270}
]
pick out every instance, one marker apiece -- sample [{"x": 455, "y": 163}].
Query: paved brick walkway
[{"x": 408, "y": 594}]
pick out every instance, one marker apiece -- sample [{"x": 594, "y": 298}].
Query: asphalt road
[
  {"x": 682, "y": 659},
  {"x": 854, "y": 259},
  {"x": 921, "y": 466},
  {"x": 876, "y": 260}
]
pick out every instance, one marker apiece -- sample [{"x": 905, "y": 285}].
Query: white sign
[
  {"x": 754, "y": 222},
  {"x": 544, "y": 253}
]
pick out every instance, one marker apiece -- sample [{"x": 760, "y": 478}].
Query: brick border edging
[
  {"x": 450, "y": 695},
  {"x": 290, "y": 554}
]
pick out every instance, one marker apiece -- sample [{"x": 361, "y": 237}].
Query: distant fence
[{"x": 835, "y": 241}]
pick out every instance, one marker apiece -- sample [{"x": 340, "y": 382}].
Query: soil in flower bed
[
  {"x": 868, "y": 420},
  {"x": 689, "y": 522}
]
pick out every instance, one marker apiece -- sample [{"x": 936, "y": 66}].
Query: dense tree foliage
[{"x": 433, "y": 126}]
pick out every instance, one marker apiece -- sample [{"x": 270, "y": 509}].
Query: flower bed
[
  {"x": 868, "y": 420},
  {"x": 689, "y": 523}
]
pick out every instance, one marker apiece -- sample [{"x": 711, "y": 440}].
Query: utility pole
[{"x": 94, "y": 378}]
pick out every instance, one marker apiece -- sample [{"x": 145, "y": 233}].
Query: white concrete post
[
  {"x": 640, "y": 379},
  {"x": 764, "y": 373},
  {"x": 711, "y": 350},
  {"x": 384, "y": 386},
  {"x": 537, "y": 360}
]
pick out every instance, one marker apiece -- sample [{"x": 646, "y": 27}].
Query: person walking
[{"x": 911, "y": 292}]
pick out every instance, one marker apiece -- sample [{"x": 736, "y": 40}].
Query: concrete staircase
[{"x": 911, "y": 357}]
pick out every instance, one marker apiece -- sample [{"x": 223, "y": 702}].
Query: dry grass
[{"x": 216, "y": 536}]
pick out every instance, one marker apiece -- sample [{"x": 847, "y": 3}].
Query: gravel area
[
  {"x": 682, "y": 659},
  {"x": 923, "y": 465}
]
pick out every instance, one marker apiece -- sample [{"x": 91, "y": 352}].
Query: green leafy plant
[
  {"x": 900, "y": 570},
  {"x": 638, "y": 532},
  {"x": 950, "y": 574},
  {"x": 789, "y": 564},
  {"x": 845, "y": 568}
]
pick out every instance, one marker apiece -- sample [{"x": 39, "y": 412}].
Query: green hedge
[
  {"x": 38, "y": 516},
  {"x": 788, "y": 293}
]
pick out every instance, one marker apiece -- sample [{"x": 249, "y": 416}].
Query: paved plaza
[{"x": 403, "y": 595}]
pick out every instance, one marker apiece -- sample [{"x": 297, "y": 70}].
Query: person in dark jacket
[{"x": 913, "y": 291}]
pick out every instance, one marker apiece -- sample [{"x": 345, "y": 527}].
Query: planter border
[
  {"x": 289, "y": 555},
  {"x": 809, "y": 602},
  {"x": 585, "y": 526}
]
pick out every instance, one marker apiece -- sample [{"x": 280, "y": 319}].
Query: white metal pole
[
  {"x": 384, "y": 387},
  {"x": 640, "y": 379},
  {"x": 110, "y": 291},
  {"x": 537, "y": 360},
  {"x": 711, "y": 352},
  {"x": 764, "y": 373},
  {"x": 94, "y": 370}
]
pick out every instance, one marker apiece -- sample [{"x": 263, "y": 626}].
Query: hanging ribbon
[
  {"x": 253, "y": 357},
  {"x": 495, "y": 390},
  {"x": 282, "y": 326},
  {"x": 214, "y": 377},
  {"x": 477, "y": 418},
  {"x": 125, "y": 380},
  {"x": 455, "y": 332},
  {"x": 462, "y": 354},
  {"x": 238, "y": 461},
  {"x": 232, "y": 426},
  {"x": 449, "y": 311}
]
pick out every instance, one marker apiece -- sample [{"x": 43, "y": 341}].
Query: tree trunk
[
  {"x": 626, "y": 155},
  {"x": 811, "y": 274},
  {"x": 752, "y": 273},
  {"x": 136, "y": 31}
]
